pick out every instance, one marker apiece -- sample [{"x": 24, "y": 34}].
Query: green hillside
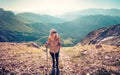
[
  {"x": 73, "y": 31},
  {"x": 9, "y": 21},
  {"x": 80, "y": 27},
  {"x": 12, "y": 28}
]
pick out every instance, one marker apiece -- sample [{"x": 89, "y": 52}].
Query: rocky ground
[{"x": 28, "y": 59}]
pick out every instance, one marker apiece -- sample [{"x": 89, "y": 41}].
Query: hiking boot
[
  {"x": 57, "y": 71},
  {"x": 53, "y": 71}
]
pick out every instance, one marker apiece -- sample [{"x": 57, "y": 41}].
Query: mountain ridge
[
  {"x": 34, "y": 17},
  {"x": 107, "y": 35},
  {"x": 91, "y": 11}
]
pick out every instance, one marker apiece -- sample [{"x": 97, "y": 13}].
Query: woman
[{"x": 54, "y": 44}]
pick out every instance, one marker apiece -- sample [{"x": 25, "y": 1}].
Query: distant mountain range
[
  {"x": 35, "y": 27},
  {"x": 106, "y": 35},
  {"x": 32, "y": 17},
  {"x": 91, "y": 11}
]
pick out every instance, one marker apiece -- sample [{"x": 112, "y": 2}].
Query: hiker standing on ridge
[{"x": 54, "y": 45}]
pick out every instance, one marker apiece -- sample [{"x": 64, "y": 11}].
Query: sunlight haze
[{"x": 56, "y": 7}]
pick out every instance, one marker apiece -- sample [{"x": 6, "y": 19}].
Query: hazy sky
[{"x": 56, "y": 7}]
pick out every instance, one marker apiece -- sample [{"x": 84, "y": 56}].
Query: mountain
[
  {"x": 16, "y": 28},
  {"x": 92, "y": 11},
  {"x": 79, "y": 28},
  {"x": 106, "y": 35},
  {"x": 13, "y": 29},
  {"x": 9, "y": 21},
  {"x": 32, "y": 17},
  {"x": 73, "y": 31}
]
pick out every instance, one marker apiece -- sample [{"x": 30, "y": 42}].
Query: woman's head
[{"x": 53, "y": 33}]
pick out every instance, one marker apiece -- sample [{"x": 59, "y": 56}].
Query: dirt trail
[{"x": 65, "y": 63}]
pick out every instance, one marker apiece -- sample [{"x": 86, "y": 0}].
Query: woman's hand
[
  {"x": 46, "y": 44},
  {"x": 60, "y": 47}
]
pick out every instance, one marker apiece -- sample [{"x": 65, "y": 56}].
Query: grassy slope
[{"x": 22, "y": 58}]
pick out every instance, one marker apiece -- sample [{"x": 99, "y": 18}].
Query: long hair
[{"x": 56, "y": 35}]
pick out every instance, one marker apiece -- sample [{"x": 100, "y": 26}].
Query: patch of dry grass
[
  {"x": 19, "y": 58},
  {"x": 25, "y": 59}
]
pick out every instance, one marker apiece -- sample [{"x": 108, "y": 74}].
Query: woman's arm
[
  {"x": 59, "y": 42},
  {"x": 47, "y": 43}
]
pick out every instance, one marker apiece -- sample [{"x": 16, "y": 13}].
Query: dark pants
[{"x": 55, "y": 57}]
